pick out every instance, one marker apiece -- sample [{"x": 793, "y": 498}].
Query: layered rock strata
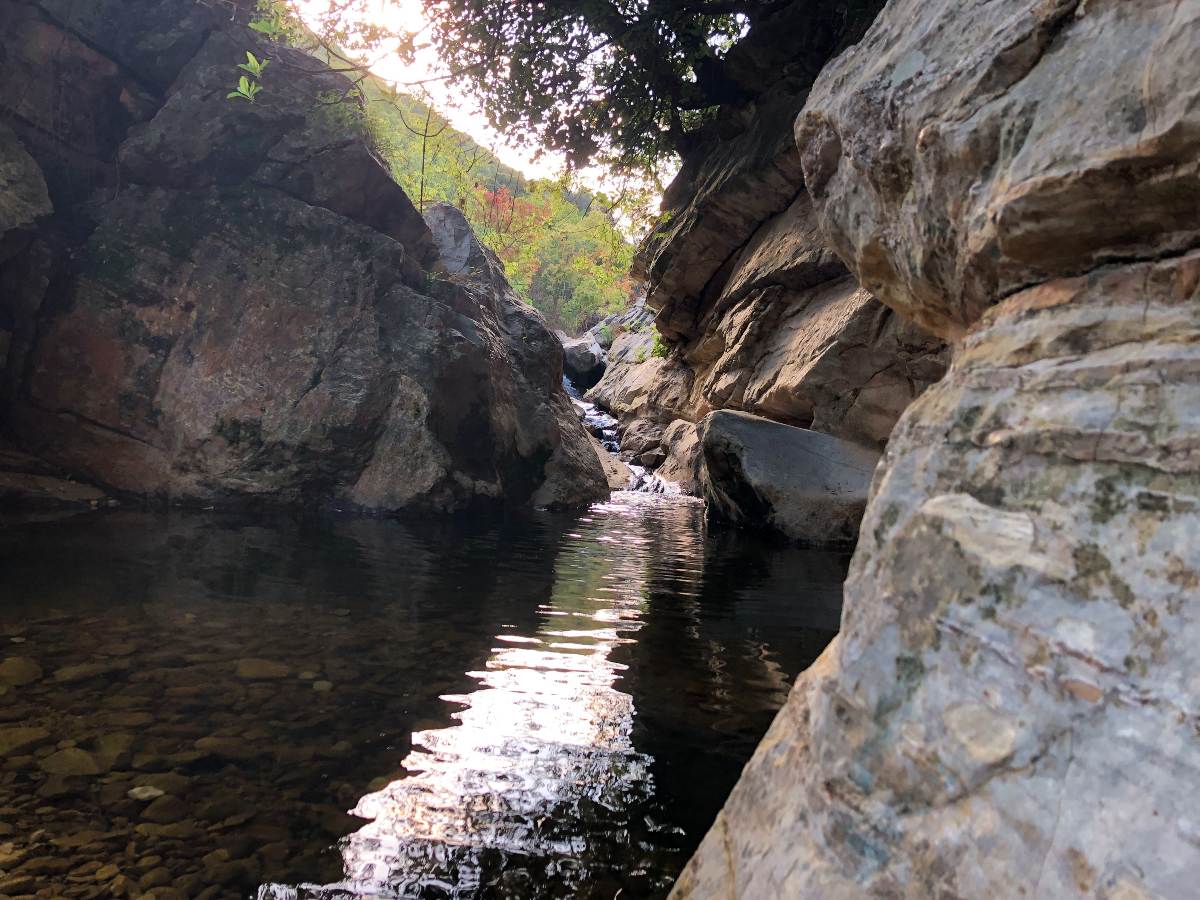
[
  {"x": 758, "y": 314},
  {"x": 1009, "y": 709},
  {"x": 234, "y": 299}
]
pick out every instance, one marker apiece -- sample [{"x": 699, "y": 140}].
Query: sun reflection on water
[{"x": 540, "y": 758}]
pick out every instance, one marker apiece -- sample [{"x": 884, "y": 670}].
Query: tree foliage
[
  {"x": 625, "y": 80},
  {"x": 565, "y": 250},
  {"x": 623, "y": 83},
  {"x": 562, "y": 248}
]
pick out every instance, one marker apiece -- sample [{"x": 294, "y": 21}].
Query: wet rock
[
  {"x": 173, "y": 831},
  {"x": 16, "y": 671},
  {"x": 165, "y": 810},
  {"x": 619, "y": 475},
  {"x": 144, "y": 793},
  {"x": 166, "y": 783},
  {"x": 14, "y": 741},
  {"x": 155, "y": 878},
  {"x": 262, "y": 669},
  {"x": 113, "y": 749},
  {"x": 583, "y": 361},
  {"x": 17, "y": 884},
  {"x": 70, "y": 762},
  {"x": 85, "y": 671},
  {"x": 808, "y": 486},
  {"x": 228, "y": 747}
]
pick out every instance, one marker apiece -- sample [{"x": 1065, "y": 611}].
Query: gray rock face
[
  {"x": 947, "y": 179},
  {"x": 808, "y": 486},
  {"x": 258, "y": 310},
  {"x": 790, "y": 336},
  {"x": 760, "y": 314},
  {"x": 1008, "y": 708},
  {"x": 23, "y": 197},
  {"x": 784, "y": 332}
]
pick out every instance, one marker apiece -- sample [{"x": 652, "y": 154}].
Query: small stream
[
  {"x": 546, "y": 706},
  {"x": 603, "y": 427}
]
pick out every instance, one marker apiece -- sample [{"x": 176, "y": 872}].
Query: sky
[{"x": 423, "y": 75}]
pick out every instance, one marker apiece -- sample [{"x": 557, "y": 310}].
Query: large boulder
[
  {"x": 637, "y": 384},
  {"x": 255, "y": 308},
  {"x": 584, "y": 361},
  {"x": 680, "y": 445},
  {"x": 1035, "y": 139},
  {"x": 1010, "y": 707},
  {"x": 808, "y": 486},
  {"x": 637, "y": 317}
]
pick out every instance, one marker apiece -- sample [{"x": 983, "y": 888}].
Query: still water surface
[{"x": 550, "y": 706}]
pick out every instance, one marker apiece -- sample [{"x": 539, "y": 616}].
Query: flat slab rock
[
  {"x": 28, "y": 483},
  {"x": 808, "y": 486}
]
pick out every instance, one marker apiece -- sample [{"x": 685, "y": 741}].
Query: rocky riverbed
[{"x": 199, "y": 706}]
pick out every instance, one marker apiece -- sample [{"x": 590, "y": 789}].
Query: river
[{"x": 549, "y": 705}]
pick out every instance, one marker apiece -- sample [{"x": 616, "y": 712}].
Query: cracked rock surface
[
  {"x": 236, "y": 300},
  {"x": 1010, "y": 708}
]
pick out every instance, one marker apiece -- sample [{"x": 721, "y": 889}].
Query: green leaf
[
  {"x": 244, "y": 85},
  {"x": 235, "y": 95}
]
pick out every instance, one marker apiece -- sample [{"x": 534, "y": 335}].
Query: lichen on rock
[{"x": 1009, "y": 708}]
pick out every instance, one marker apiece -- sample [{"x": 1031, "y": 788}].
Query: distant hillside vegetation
[{"x": 560, "y": 246}]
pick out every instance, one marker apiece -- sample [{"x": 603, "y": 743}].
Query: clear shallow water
[{"x": 551, "y": 706}]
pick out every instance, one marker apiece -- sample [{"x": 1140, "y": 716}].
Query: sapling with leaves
[{"x": 249, "y": 85}]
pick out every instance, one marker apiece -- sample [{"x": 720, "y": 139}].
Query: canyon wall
[
  {"x": 205, "y": 299},
  {"x": 1010, "y": 708},
  {"x": 756, "y": 314}
]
